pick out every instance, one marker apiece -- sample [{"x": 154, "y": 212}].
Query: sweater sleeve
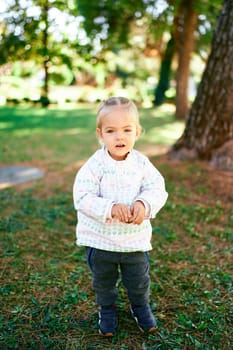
[
  {"x": 86, "y": 194},
  {"x": 153, "y": 189}
]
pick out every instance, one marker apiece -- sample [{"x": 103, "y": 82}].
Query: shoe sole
[
  {"x": 109, "y": 334},
  {"x": 151, "y": 330}
]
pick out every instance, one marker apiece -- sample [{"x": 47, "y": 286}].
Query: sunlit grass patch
[
  {"x": 160, "y": 126},
  {"x": 67, "y": 136}
]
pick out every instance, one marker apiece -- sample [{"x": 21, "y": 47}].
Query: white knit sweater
[{"x": 99, "y": 184}]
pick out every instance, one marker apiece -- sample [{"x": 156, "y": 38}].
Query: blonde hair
[{"x": 114, "y": 103}]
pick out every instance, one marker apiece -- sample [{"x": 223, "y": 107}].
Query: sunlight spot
[
  {"x": 75, "y": 131},
  {"x": 169, "y": 133}
]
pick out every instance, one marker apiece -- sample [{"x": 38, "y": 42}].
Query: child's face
[{"x": 118, "y": 132}]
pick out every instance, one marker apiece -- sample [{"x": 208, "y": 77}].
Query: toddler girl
[{"x": 116, "y": 192}]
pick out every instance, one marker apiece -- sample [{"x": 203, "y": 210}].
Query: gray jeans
[{"x": 106, "y": 268}]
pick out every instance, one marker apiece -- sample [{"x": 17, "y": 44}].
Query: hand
[
  {"x": 138, "y": 212},
  {"x": 122, "y": 213}
]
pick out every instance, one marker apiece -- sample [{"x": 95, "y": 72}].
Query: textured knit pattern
[{"x": 99, "y": 184}]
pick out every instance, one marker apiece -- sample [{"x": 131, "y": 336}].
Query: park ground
[{"x": 45, "y": 286}]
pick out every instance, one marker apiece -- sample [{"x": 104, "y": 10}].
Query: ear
[{"x": 99, "y": 133}]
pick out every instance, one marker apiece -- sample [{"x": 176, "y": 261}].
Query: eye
[
  {"x": 128, "y": 130},
  {"x": 109, "y": 131}
]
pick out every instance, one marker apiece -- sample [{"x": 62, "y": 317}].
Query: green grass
[
  {"x": 45, "y": 286},
  {"x": 43, "y": 134}
]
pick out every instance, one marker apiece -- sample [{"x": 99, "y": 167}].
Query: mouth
[{"x": 120, "y": 146}]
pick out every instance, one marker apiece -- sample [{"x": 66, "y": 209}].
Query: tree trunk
[
  {"x": 165, "y": 71},
  {"x": 184, "y": 27},
  {"x": 209, "y": 129},
  {"x": 46, "y": 58}
]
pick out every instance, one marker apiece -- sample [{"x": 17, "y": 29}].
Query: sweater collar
[{"x": 118, "y": 162}]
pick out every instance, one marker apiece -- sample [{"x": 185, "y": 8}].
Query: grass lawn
[{"x": 45, "y": 286}]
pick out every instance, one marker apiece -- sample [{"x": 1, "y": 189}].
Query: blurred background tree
[
  {"x": 125, "y": 43},
  {"x": 40, "y": 31},
  {"x": 153, "y": 50},
  {"x": 146, "y": 25}
]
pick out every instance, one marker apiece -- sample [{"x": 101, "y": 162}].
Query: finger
[
  {"x": 132, "y": 210},
  {"x": 135, "y": 212},
  {"x": 138, "y": 217},
  {"x": 127, "y": 214},
  {"x": 121, "y": 215},
  {"x": 138, "y": 220}
]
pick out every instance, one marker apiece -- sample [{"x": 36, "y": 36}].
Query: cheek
[
  {"x": 107, "y": 138},
  {"x": 134, "y": 137}
]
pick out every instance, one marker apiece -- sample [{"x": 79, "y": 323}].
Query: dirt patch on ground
[{"x": 200, "y": 174}]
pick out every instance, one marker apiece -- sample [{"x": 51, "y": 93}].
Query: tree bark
[
  {"x": 184, "y": 26},
  {"x": 209, "y": 129}
]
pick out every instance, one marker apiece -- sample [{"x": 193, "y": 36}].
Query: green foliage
[
  {"x": 45, "y": 291},
  {"x": 31, "y": 31},
  {"x": 115, "y": 23},
  {"x": 35, "y": 32},
  {"x": 114, "y": 16}
]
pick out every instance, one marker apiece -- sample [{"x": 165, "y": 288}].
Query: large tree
[{"x": 209, "y": 128}]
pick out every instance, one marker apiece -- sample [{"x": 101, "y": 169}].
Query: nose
[{"x": 119, "y": 135}]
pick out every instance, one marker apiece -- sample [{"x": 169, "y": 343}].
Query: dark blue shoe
[
  {"x": 108, "y": 320},
  {"x": 144, "y": 318}
]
